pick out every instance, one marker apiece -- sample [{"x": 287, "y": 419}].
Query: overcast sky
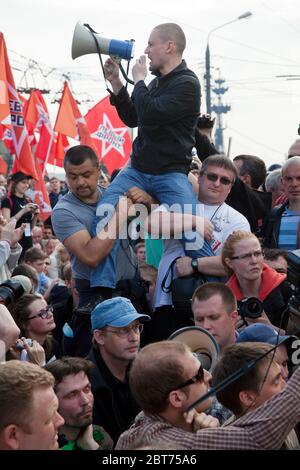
[{"x": 249, "y": 54}]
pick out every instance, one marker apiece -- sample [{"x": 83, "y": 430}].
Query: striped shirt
[
  {"x": 264, "y": 428},
  {"x": 288, "y": 231}
]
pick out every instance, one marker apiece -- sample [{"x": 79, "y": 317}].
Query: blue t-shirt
[{"x": 288, "y": 230}]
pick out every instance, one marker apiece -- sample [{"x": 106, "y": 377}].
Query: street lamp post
[{"x": 207, "y": 58}]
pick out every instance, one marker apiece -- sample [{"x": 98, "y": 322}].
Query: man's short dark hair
[
  {"x": 65, "y": 366},
  {"x": 208, "y": 290},
  {"x": 272, "y": 254},
  {"x": 78, "y": 154},
  {"x": 253, "y": 166},
  {"x": 221, "y": 161},
  {"x": 232, "y": 359}
]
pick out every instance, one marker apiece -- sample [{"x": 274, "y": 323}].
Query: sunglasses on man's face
[
  {"x": 199, "y": 377},
  {"x": 214, "y": 178}
]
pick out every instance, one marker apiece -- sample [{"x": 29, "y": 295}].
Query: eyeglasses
[
  {"x": 45, "y": 313},
  {"x": 199, "y": 377},
  {"x": 248, "y": 256},
  {"x": 214, "y": 177},
  {"x": 125, "y": 331}
]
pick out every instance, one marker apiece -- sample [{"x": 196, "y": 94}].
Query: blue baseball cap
[
  {"x": 117, "y": 312},
  {"x": 263, "y": 334}
]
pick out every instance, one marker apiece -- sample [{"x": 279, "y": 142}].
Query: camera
[
  {"x": 205, "y": 121},
  {"x": 194, "y": 166},
  {"x": 10, "y": 291},
  {"x": 250, "y": 307},
  {"x": 20, "y": 343}
]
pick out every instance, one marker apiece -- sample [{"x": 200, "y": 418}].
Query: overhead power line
[
  {"x": 255, "y": 141},
  {"x": 255, "y": 61}
]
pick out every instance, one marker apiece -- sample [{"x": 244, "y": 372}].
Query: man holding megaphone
[{"x": 166, "y": 112}]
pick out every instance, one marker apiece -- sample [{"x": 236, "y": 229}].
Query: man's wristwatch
[{"x": 194, "y": 264}]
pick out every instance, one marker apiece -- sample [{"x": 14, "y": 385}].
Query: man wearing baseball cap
[
  {"x": 260, "y": 333},
  {"x": 116, "y": 328}
]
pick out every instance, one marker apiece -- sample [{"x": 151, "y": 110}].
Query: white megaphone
[
  {"x": 86, "y": 41},
  {"x": 201, "y": 343}
]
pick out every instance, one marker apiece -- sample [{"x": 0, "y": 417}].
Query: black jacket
[
  {"x": 276, "y": 305},
  {"x": 254, "y": 205},
  {"x": 109, "y": 412},
  {"x": 166, "y": 113},
  {"x": 273, "y": 226}
]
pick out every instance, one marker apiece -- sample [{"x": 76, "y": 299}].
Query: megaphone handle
[
  {"x": 99, "y": 54},
  {"x": 127, "y": 71}
]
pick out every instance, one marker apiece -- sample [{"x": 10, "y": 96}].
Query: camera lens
[{"x": 250, "y": 307}]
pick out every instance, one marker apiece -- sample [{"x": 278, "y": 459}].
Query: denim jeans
[{"x": 168, "y": 188}]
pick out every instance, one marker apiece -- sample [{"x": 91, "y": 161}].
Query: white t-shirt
[{"x": 226, "y": 221}]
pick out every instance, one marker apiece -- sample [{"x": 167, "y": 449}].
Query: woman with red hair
[{"x": 249, "y": 276}]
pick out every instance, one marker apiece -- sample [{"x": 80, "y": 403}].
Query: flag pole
[{"x": 48, "y": 152}]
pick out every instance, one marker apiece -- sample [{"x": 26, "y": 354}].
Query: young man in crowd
[
  {"x": 75, "y": 405},
  {"x": 264, "y": 381}
]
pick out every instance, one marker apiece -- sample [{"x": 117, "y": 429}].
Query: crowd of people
[{"x": 90, "y": 298}]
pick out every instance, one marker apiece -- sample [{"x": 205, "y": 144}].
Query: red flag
[
  {"x": 29, "y": 126},
  {"x": 37, "y": 117},
  {"x": 35, "y": 110},
  {"x": 41, "y": 197},
  {"x": 11, "y": 115},
  {"x": 110, "y": 135},
  {"x": 59, "y": 148},
  {"x": 70, "y": 122},
  {"x": 50, "y": 148}
]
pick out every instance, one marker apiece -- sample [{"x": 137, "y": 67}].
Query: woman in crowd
[
  {"x": 249, "y": 276},
  {"x": 35, "y": 320},
  {"x": 16, "y": 205}
]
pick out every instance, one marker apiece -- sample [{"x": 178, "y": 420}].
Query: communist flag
[
  {"x": 37, "y": 117},
  {"x": 110, "y": 135},
  {"x": 70, "y": 122},
  {"x": 11, "y": 115}
]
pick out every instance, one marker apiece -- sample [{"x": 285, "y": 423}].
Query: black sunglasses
[
  {"x": 199, "y": 377},
  {"x": 214, "y": 177}
]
